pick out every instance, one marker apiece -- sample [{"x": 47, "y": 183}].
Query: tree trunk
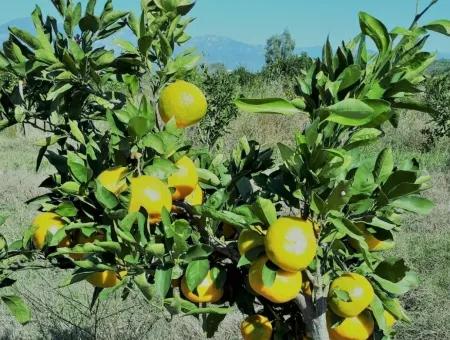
[{"x": 314, "y": 316}]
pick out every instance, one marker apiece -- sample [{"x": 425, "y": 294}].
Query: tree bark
[{"x": 314, "y": 315}]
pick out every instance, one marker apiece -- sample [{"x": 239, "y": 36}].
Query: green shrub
[
  {"x": 438, "y": 97},
  {"x": 221, "y": 88}
]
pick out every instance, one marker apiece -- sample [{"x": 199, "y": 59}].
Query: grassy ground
[{"x": 64, "y": 313}]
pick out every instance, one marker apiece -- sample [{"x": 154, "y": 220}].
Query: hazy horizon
[{"x": 253, "y": 21}]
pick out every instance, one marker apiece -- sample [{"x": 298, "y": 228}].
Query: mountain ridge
[{"x": 215, "y": 49}]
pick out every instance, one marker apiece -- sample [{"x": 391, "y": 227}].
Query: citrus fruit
[
  {"x": 45, "y": 223},
  {"x": 249, "y": 239},
  {"x": 183, "y": 101},
  {"x": 195, "y": 197},
  {"x": 256, "y": 327},
  {"x": 359, "y": 327},
  {"x": 373, "y": 243},
  {"x": 207, "y": 290},
  {"x": 105, "y": 279},
  {"x": 184, "y": 180},
  {"x": 114, "y": 179},
  {"x": 359, "y": 291},
  {"x": 291, "y": 243},
  {"x": 151, "y": 194},
  {"x": 285, "y": 287}
]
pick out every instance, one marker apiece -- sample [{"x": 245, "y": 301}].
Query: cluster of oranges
[
  {"x": 186, "y": 104},
  {"x": 356, "y": 320},
  {"x": 290, "y": 246}
]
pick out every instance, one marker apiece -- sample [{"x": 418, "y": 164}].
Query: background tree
[{"x": 279, "y": 47}]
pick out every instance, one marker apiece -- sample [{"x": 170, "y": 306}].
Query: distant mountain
[
  {"x": 233, "y": 53},
  {"x": 215, "y": 49}
]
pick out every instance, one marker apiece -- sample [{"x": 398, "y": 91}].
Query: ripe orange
[
  {"x": 105, "y": 279},
  {"x": 114, "y": 179},
  {"x": 286, "y": 286},
  {"x": 207, "y": 290},
  {"x": 291, "y": 243},
  {"x": 195, "y": 197},
  {"x": 373, "y": 243},
  {"x": 184, "y": 180},
  {"x": 256, "y": 327},
  {"x": 359, "y": 327},
  {"x": 151, "y": 194},
  {"x": 45, "y": 223},
  {"x": 359, "y": 290},
  {"x": 184, "y": 101},
  {"x": 249, "y": 239}
]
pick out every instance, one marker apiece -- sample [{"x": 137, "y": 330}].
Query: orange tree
[{"x": 131, "y": 205}]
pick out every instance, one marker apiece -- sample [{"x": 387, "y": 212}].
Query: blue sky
[{"x": 253, "y": 21}]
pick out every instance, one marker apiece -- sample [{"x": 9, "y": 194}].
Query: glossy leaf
[
  {"x": 17, "y": 308},
  {"x": 268, "y": 105},
  {"x": 195, "y": 273}
]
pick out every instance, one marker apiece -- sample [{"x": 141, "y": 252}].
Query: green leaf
[
  {"x": 144, "y": 43},
  {"x": 375, "y": 29},
  {"x": 78, "y": 168},
  {"x": 70, "y": 188},
  {"x": 269, "y": 274},
  {"x": 267, "y": 105},
  {"x": 384, "y": 165},
  {"x": 350, "y": 112},
  {"x": 403, "y": 189},
  {"x": 342, "y": 295},
  {"x": 348, "y": 77},
  {"x": 155, "y": 249},
  {"x": 339, "y": 196},
  {"x": 416, "y": 204},
  {"x": 208, "y": 177},
  {"x": 105, "y": 197},
  {"x": 395, "y": 277},
  {"x": 76, "y": 132},
  {"x": 195, "y": 273},
  {"x": 225, "y": 216},
  {"x": 378, "y": 312},
  {"x": 26, "y": 37},
  {"x": 66, "y": 209},
  {"x": 265, "y": 210},
  {"x": 17, "y": 308},
  {"x": 392, "y": 305},
  {"x": 250, "y": 256},
  {"x": 413, "y": 104},
  {"x": 362, "y": 137},
  {"x": 163, "y": 280},
  {"x": 139, "y": 126},
  {"x": 50, "y": 140},
  {"x": 146, "y": 288},
  {"x": 440, "y": 26},
  {"x": 198, "y": 252}
]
